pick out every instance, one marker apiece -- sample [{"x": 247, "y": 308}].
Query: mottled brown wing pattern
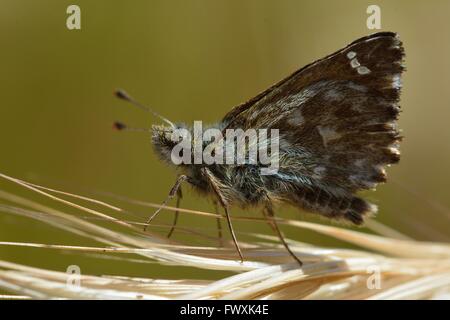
[{"x": 337, "y": 121}]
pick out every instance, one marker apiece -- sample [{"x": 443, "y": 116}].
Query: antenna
[{"x": 121, "y": 94}]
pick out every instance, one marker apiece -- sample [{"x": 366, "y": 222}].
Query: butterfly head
[{"x": 165, "y": 138}]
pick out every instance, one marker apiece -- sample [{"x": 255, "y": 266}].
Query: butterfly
[{"x": 337, "y": 124}]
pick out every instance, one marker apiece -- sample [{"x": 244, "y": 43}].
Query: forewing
[{"x": 336, "y": 116}]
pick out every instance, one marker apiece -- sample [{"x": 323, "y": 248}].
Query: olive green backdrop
[{"x": 194, "y": 60}]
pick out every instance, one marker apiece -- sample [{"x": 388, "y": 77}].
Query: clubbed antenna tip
[
  {"x": 121, "y": 94},
  {"x": 119, "y": 126}
]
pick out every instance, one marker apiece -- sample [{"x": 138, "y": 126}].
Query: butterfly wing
[{"x": 337, "y": 123}]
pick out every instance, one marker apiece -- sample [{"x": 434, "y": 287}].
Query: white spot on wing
[
  {"x": 363, "y": 70},
  {"x": 380, "y": 168},
  {"x": 351, "y": 54},
  {"x": 357, "y": 87},
  {"x": 319, "y": 172},
  {"x": 296, "y": 118},
  {"x": 328, "y": 134},
  {"x": 373, "y": 208},
  {"x": 355, "y": 63},
  {"x": 394, "y": 150},
  {"x": 396, "y": 81}
]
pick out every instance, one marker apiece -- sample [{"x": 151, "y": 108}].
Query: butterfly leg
[
  {"x": 271, "y": 217},
  {"x": 269, "y": 221},
  {"x": 230, "y": 226},
  {"x": 172, "y": 193},
  {"x": 219, "y": 224},
  {"x": 224, "y": 203},
  {"x": 177, "y": 213}
]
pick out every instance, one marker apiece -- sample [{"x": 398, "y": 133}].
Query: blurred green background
[{"x": 194, "y": 60}]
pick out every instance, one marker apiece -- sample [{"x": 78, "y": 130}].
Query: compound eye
[{"x": 253, "y": 170}]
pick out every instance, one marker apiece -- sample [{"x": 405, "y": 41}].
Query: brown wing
[{"x": 336, "y": 116}]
